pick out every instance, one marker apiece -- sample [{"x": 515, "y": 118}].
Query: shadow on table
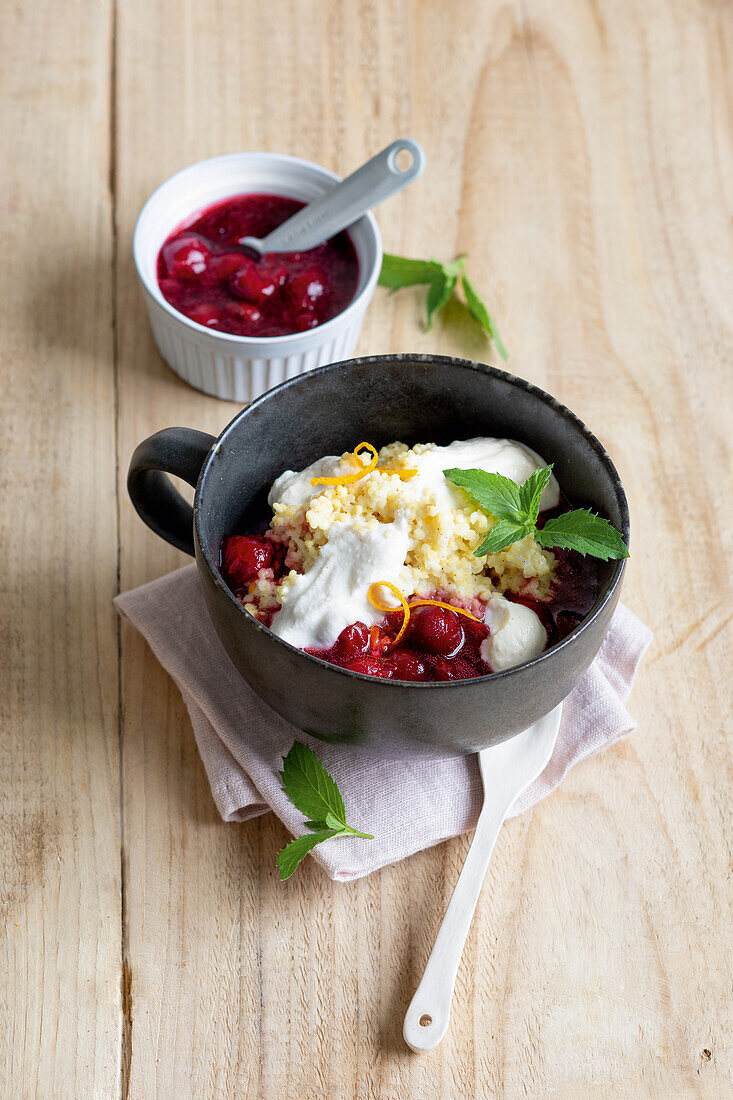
[{"x": 86, "y": 315}]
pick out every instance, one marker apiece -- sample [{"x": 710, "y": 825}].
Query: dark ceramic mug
[{"x": 414, "y": 399}]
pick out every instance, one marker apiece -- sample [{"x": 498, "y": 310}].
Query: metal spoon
[
  {"x": 506, "y": 770},
  {"x": 340, "y": 207}
]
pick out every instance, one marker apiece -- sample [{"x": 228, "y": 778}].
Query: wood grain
[
  {"x": 581, "y": 154},
  {"x": 59, "y": 795}
]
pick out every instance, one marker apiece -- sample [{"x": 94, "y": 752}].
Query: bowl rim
[
  {"x": 479, "y": 368},
  {"x": 151, "y": 286}
]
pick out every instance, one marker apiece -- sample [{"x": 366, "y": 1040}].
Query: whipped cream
[
  {"x": 333, "y": 592},
  {"x": 294, "y": 489},
  {"x": 495, "y": 456},
  {"x": 517, "y": 635}
]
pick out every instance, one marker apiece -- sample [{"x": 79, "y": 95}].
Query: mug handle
[{"x": 178, "y": 451}]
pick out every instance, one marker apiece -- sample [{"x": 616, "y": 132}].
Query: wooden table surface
[{"x": 581, "y": 154}]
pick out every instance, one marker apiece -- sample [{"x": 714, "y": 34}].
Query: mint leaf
[
  {"x": 314, "y": 792},
  {"x": 291, "y": 855},
  {"x": 309, "y": 786},
  {"x": 439, "y": 293},
  {"x": 398, "y": 271},
  {"x": 501, "y": 535},
  {"x": 495, "y": 493},
  {"x": 334, "y": 823},
  {"x": 480, "y": 313},
  {"x": 532, "y": 490},
  {"x": 585, "y": 532},
  {"x": 452, "y": 267},
  {"x": 517, "y": 508}
]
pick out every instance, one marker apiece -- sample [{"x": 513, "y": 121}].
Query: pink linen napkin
[{"x": 407, "y": 805}]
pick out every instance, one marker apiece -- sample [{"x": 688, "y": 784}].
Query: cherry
[
  {"x": 253, "y": 286},
  {"x": 244, "y": 311},
  {"x": 408, "y": 666},
  {"x": 188, "y": 258},
  {"x": 393, "y": 620},
  {"x": 476, "y": 630},
  {"x": 436, "y": 630},
  {"x": 369, "y": 666},
  {"x": 228, "y": 263},
  {"x": 304, "y": 320},
  {"x": 305, "y": 289},
  {"x": 353, "y": 641},
  {"x": 271, "y": 267},
  {"x": 244, "y": 556},
  {"x": 204, "y": 313}
]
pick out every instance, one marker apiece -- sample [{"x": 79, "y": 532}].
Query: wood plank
[
  {"x": 581, "y": 154},
  {"x": 60, "y": 949}
]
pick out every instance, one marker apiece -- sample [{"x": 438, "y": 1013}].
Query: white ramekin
[{"x": 240, "y": 368}]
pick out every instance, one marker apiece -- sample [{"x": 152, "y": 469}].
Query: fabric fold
[{"x": 408, "y": 805}]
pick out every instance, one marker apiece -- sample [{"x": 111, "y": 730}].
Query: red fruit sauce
[
  {"x": 438, "y": 644},
  {"x": 204, "y": 273}
]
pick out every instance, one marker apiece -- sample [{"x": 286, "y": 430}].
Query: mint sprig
[
  {"x": 398, "y": 271},
  {"x": 517, "y": 508},
  {"x": 585, "y": 532},
  {"x": 480, "y": 313},
  {"x": 442, "y": 279},
  {"x": 314, "y": 792},
  {"x": 501, "y": 535}
]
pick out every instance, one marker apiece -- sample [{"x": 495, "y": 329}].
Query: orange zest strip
[
  {"x": 373, "y": 637},
  {"x": 406, "y": 608},
  {"x": 385, "y": 607},
  {"x": 403, "y": 475},
  {"x": 349, "y": 479},
  {"x": 448, "y": 606},
  {"x": 366, "y": 468}
]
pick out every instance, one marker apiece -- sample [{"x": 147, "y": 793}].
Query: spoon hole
[
  {"x": 425, "y": 1020},
  {"x": 402, "y": 160}
]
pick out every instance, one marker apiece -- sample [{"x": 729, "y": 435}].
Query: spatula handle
[
  {"x": 339, "y": 208},
  {"x": 426, "y": 1020}
]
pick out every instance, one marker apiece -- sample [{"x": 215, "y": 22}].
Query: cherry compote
[
  {"x": 573, "y": 595},
  {"x": 436, "y": 646},
  {"x": 206, "y": 274}
]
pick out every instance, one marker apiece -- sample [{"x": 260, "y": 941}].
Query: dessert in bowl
[
  {"x": 427, "y": 403},
  {"x": 379, "y": 564},
  {"x": 228, "y": 323}
]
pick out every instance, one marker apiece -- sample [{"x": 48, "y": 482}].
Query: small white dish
[{"x": 240, "y": 368}]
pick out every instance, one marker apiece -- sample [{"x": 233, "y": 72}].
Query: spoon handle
[
  {"x": 340, "y": 207},
  {"x": 426, "y": 1020}
]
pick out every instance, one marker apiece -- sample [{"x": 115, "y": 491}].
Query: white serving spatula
[{"x": 506, "y": 770}]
